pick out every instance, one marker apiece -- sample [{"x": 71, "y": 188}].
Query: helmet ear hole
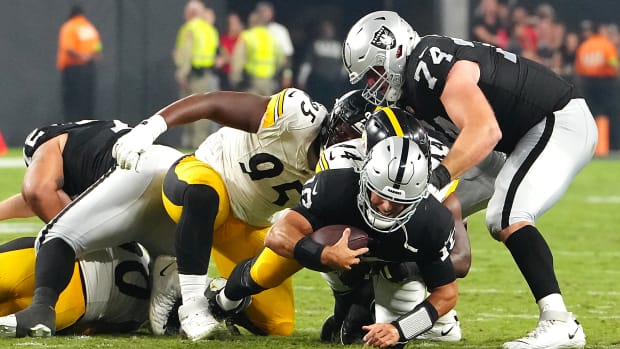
[{"x": 399, "y": 51}]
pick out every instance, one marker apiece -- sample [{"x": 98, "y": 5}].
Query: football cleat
[
  {"x": 555, "y": 330},
  {"x": 351, "y": 331},
  {"x": 213, "y": 289},
  {"x": 446, "y": 329},
  {"x": 330, "y": 331},
  {"x": 38, "y": 320},
  {"x": 242, "y": 319},
  {"x": 165, "y": 293},
  {"x": 8, "y": 326},
  {"x": 196, "y": 321}
]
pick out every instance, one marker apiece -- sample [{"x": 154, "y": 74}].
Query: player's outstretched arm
[
  {"x": 415, "y": 322},
  {"x": 15, "y": 207},
  {"x": 286, "y": 233},
  {"x": 239, "y": 110}
]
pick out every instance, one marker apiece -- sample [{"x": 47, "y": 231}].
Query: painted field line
[{"x": 15, "y": 228}]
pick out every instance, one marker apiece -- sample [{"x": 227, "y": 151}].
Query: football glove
[{"x": 129, "y": 147}]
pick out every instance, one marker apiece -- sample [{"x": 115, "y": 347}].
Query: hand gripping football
[{"x": 330, "y": 234}]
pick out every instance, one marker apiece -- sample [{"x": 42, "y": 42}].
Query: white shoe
[
  {"x": 8, "y": 326},
  {"x": 196, "y": 321},
  {"x": 165, "y": 293},
  {"x": 446, "y": 329},
  {"x": 555, "y": 330}
]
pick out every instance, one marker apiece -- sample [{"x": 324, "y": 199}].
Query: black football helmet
[
  {"x": 347, "y": 118},
  {"x": 391, "y": 121}
]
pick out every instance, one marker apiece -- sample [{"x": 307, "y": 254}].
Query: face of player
[
  {"x": 386, "y": 207},
  {"x": 341, "y": 132},
  {"x": 373, "y": 75}
]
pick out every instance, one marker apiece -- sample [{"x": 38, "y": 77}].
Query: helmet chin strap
[{"x": 377, "y": 222}]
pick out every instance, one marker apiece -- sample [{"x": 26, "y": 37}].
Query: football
[{"x": 330, "y": 234}]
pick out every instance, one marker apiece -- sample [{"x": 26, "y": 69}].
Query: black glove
[{"x": 440, "y": 177}]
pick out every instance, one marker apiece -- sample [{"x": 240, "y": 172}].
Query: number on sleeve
[
  {"x": 31, "y": 140},
  {"x": 427, "y": 75}
]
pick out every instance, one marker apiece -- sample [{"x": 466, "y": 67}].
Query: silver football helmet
[
  {"x": 396, "y": 169},
  {"x": 379, "y": 39}
]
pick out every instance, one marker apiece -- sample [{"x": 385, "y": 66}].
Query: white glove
[
  {"x": 443, "y": 193},
  {"x": 128, "y": 148}
]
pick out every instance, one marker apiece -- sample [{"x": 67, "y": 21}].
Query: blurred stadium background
[{"x": 136, "y": 75}]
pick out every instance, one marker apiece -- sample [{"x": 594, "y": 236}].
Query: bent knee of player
[
  {"x": 516, "y": 219},
  {"x": 284, "y": 328}
]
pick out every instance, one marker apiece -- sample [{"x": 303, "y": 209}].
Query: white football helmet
[
  {"x": 396, "y": 169},
  {"x": 383, "y": 39}
]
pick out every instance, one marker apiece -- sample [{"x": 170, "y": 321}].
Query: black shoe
[
  {"x": 37, "y": 320},
  {"x": 242, "y": 319},
  {"x": 351, "y": 331},
  {"x": 330, "y": 332},
  {"x": 215, "y": 287}
]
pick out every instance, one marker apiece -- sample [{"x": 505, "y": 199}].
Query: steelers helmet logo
[{"x": 384, "y": 39}]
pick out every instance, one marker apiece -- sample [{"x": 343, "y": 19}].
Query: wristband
[
  {"x": 440, "y": 177},
  {"x": 308, "y": 253},
  {"x": 155, "y": 124},
  {"x": 417, "y": 321}
]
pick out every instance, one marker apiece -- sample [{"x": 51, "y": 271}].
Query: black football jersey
[
  {"x": 520, "y": 91},
  {"x": 331, "y": 198},
  {"x": 88, "y": 151}
]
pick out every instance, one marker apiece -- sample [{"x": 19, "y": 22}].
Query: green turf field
[{"x": 494, "y": 305}]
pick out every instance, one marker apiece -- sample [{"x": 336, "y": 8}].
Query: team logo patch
[{"x": 384, "y": 39}]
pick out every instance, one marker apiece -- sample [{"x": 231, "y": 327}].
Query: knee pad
[{"x": 395, "y": 299}]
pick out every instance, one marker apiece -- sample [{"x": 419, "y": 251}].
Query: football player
[
  {"x": 489, "y": 99},
  {"x": 108, "y": 292},
  {"x": 227, "y": 191},
  {"x": 234, "y": 182},
  {"x": 62, "y": 160},
  {"x": 347, "y": 290},
  {"x": 108, "y": 289},
  {"x": 267, "y": 270},
  {"x": 389, "y": 200}
]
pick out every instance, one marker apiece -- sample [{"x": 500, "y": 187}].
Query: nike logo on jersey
[
  {"x": 314, "y": 192},
  {"x": 163, "y": 271},
  {"x": 423, "y": 51}
]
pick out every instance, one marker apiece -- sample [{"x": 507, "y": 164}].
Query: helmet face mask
[
  {"x": 396, "y": 170},
  {"x": 348, "y": 118},
  {"x": 380, "y": 39}
]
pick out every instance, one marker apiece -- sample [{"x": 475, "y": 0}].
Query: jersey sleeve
[
  {"x": 293, "y": 109},
  {"x": 434, "y": 62},
  {"x": 435, "y": 265},
  {"x": 349, "y": 154}
]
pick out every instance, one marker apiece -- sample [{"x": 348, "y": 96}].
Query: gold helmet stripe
[{"x": 398, "y": 131}]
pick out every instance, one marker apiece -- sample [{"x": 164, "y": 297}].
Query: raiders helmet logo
[{"x": 384, "y": 39}]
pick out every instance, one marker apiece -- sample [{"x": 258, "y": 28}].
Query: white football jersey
[
  {"x": 352, "y": 154},
  {"x": 116, "y": 281},
  {"x": 264, "y": 171}
]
